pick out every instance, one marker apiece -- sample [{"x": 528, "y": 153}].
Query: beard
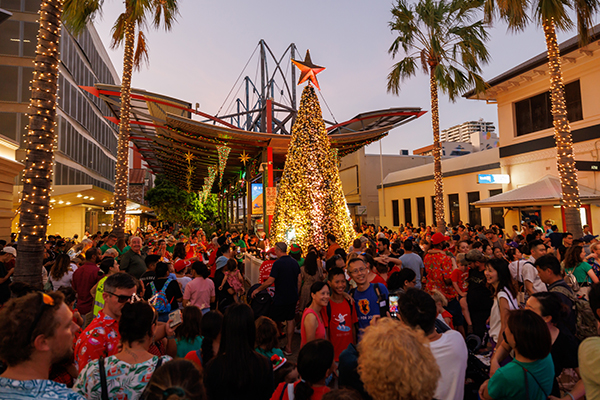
[{"x": 65, "y": 357}]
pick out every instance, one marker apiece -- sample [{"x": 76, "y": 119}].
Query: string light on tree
[
  {"x": 39, "y": 142},
  {"x": 311, "y": 202},
  {"x": 223, "y": 152}
]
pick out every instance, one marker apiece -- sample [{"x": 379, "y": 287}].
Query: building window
[
  {"x": 8, "y": 125},
  {"x": 10, "y": 38},
  {"x": 395, "y": 213},
  {"x": 454, "y": 206},
  {"x": 30, "y": 31},
  {"x": 534, "y": 114},
  {"x": 407, "y": 212},
  {"x": 474, "y": 212},
  {"x": 9, "y": 83},
  {"x": 421, "y": 210},
  {"x": 497, "y": 212}
]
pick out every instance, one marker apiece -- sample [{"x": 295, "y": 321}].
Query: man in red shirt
[
  {"x": 84, "y": 279},
  {"x": 339, "y": 316},
  {"x": 101, "y": 337},
  {"x": 439, "y": 270},
  {"x": 333, "y": 246}
]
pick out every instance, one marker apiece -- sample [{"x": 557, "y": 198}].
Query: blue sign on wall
[{"x": 493, "y": 178}]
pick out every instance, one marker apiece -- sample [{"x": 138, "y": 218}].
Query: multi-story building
[
  {"x": 463, "y": 132},
  {"x": 527, "y": 146},
  {"x": 85, "y": 155}
]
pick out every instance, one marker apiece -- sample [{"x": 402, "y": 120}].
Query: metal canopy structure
[{"x": 163, "y": 131}]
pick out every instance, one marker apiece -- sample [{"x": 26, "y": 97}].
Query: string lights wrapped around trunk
[
  {"x": 40, "y": 142},
  {"x": 562, "y": 135}
]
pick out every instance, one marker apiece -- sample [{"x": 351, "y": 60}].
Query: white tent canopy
[{"x": 546, "y": 191}]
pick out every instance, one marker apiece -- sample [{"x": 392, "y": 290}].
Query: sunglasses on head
[
  {"x": 122, "y": 298},
  {"x": 47, "y": 303}
]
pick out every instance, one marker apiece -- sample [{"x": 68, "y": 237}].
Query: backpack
[
  {"x": 586, "y": 322},
  {"x": 571, "y": 280},
  {"x": 159, "y": 299}
]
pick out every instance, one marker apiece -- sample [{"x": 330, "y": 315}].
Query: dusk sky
[{"x": 208, "y": 47}]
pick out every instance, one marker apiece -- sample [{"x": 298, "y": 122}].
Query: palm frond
[
  {"x": 118, "y": 31},
  {"x": 77, "y": 14},
  {"x": 141, "y": 51},
  {"x": 402, "y": 70},
  {"x": 556, "y": 10}
]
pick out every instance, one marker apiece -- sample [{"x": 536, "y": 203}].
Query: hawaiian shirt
[
  {"x": 124, "y": 381},
  {"x": 39, "y": 389},
  {"x": 439, "y": 267},
  {"x": 100, "y": 339}
]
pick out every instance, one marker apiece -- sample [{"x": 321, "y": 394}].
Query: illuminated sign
[
  {"x": 493, "y": 178},
  {"x": 257, "y": 199}
]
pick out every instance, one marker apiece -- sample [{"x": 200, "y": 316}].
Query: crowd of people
[{"x": 473, "y": 312}]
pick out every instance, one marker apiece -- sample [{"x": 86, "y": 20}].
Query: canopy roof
[
  {"x": 545, "y": 192},
  {"x": 163, "y": 131}
]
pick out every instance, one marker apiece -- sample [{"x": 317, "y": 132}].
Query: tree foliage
[{"x": 174, "y": 204}]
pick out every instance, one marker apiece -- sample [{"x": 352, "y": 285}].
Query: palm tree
[
  {"x": 37, "y": 175},
  {"x": 441, "y": 38},
  {"x": 553, "y": 14},
  {"x": 128, "y": 25}
]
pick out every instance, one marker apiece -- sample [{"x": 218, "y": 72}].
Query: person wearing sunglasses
[{"x": 36, "y": 331}]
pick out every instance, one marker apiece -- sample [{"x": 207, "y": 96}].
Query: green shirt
[
  {"x": 105, "y": 247},
  {"x": 241, "y": 244},
  {"x": 589, "y": 366},
  {"x": 184, "y": 346},
  {"x": 580, "y": 272},
  {"x": 133, "y": 264},
  {"x": 509, "y": 381}
]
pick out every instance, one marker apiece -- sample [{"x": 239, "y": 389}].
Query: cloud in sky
[{"x": 201, "y": 58}]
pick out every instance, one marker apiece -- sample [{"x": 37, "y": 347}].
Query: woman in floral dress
[{"x": 127, "y": 372}]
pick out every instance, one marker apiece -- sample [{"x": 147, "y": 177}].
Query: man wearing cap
[
  {"x": 479, "y": 297},
  {"x": 7, "y": 254},
  {"x": 439, "y": 268},
  {"x": 492, "y": 237},
  {"x": 284, "y": 275}
]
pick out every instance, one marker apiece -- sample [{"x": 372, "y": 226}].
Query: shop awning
[{"x": 545, "y": 192}]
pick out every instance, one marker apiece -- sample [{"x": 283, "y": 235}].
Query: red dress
[{"x": 439, "y": 268}]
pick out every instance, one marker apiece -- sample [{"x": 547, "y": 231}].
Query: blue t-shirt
[
  {"x": 285, "y": 271},
  {"x": 38, "y": 389},
  {"x": 367, "y": 305}
]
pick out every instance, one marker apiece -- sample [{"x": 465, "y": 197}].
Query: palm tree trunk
[
  {"x": 562, "y": 135},
  {"x": 122, "y": 169},
  {"x": 437, "y": 155},
  {"x": 37, "y": 175}
]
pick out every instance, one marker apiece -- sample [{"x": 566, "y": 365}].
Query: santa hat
[{"x": 277, "y": 361}]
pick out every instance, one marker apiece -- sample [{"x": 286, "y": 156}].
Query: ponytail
[
  {"x": 207, "y": 350},
  {"x": 303, "y": 390}
]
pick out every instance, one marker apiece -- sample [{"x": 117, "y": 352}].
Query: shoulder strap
[
  {"x": 103, "y": 384},
  {"x": 158, "y": 363},
  {"x": 290, "y": 391},
  {"x": 525, "y": 371},
  {"x": 153, "y": 287},
  {"x": 164, "y": 288},
  {"x": 328, "y": 312},
  {"x": 377, "y": 290}
]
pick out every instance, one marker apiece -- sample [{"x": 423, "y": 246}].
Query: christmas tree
[{"x": 311, "y": 203}]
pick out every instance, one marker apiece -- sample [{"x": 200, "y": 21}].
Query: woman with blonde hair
[{"x": 395, "y": 362}]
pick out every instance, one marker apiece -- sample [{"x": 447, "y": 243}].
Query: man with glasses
[
  {"x": 36, "y": 331},
  {"x": 367, "y": 296},
  {"x": 101, "y": 337}
]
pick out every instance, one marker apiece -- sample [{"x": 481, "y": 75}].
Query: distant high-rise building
[{"x": 463, "y": 132}]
